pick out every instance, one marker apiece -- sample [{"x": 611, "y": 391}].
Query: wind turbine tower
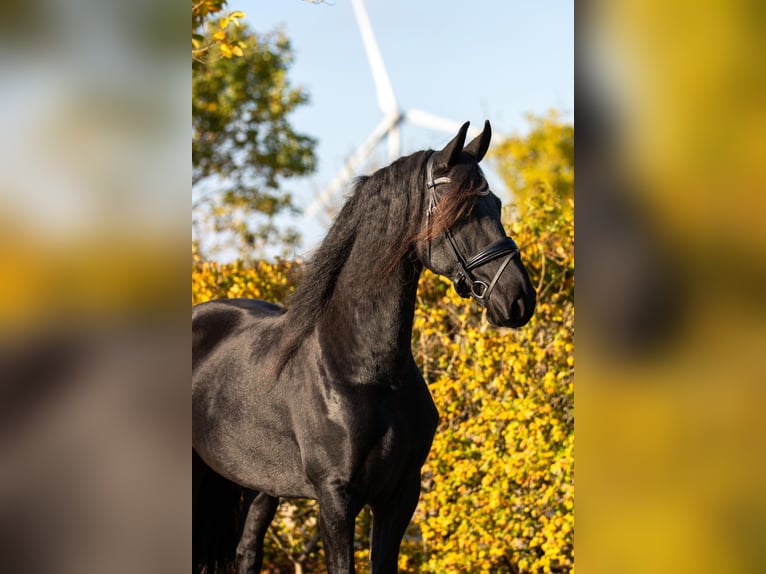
[{"x": 393, "y": 117}]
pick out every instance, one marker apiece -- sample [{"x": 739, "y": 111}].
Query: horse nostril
[{"x": 517, "y": 309}]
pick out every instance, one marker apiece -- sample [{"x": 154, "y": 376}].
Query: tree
[{"x": 243, "y": 145}]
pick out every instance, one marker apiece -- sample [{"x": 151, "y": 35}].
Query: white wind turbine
[{"x": 393, "y": 116}]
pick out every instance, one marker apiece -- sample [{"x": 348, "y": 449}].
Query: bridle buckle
[{"x": 479, "y": 290}]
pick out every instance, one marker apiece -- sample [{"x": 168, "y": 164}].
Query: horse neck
[
  {"x": 366, "y": 330},
  {"x": 358, "y": 297}
]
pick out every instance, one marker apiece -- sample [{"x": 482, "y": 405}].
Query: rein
[{"x": 466, "y": 285}]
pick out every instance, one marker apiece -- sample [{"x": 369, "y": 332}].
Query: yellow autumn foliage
[
  {"x": 499, "y": 483},
  {"x": 262, "y": 280},
  {"x": 210, "y": 29},
  {"x": 498, "y": 486}
]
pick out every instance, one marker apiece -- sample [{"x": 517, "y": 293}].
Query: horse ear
[
  {"x": 480, "y": 144},
  {"x": 451, "y": 152}
]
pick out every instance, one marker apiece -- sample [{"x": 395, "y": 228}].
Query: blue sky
[{"x": 496, "y": 60}]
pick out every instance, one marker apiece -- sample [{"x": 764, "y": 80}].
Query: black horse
[{"x": 322, "y": 399}]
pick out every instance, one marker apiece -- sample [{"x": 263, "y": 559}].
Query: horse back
[{"x": 214, "y": 321}]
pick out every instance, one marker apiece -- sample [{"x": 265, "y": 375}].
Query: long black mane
[{"x": 381, "y": 215}]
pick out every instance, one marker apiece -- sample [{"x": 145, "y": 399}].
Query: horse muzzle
[{"x": 514, "y": 313}]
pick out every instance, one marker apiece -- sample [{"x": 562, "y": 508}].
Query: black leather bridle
[{"x": 466, "y": 285}]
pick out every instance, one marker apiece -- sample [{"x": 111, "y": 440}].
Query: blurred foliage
[
  {"x": 293, "y": 538},
  {"x": 674, "y": 100},
  {"x": 498, "y": 486},
  {"x": 542, "y": 158},
  {"x": 261, "y": 280},
  {"x": 243, "y": 146},
  {"x": 206, "y": 15}
]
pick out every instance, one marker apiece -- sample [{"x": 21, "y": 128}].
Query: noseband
[{"x": 466, "y": 285}]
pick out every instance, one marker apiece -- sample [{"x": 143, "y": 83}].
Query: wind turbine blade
[
  {"x": 426, "y": 120},
  {"x": 353, "y": 162},
  {"x": 385, "y": 92}
]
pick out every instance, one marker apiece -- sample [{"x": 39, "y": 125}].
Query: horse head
[{"x": 463, "y": 236}]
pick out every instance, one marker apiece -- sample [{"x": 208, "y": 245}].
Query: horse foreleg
[
  {"x": 389, "y": 522},
  {"x": 337, "y": 513},
  {"x": 250, "y": 547}
]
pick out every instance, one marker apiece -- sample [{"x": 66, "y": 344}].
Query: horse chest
[
  {"x": 398, "y": 450},
  {"x": 373, "y": 433}
]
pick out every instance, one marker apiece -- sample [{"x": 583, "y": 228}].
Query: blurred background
[
  {"x": 670, "y": 243},
  {"x": 671, "y": 252},
  {"x": 94, "y": 360}
]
